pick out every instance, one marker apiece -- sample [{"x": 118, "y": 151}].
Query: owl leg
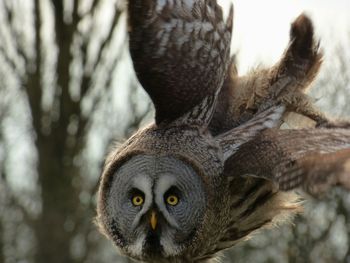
[{"x": 300, "y": 103}]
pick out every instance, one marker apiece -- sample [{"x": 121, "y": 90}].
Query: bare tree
[{"x": 58, "y": 65}]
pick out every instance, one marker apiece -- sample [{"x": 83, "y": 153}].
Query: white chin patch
[
  {"x": 169, "y": 248},
  {"x": 135, "y": 249}
]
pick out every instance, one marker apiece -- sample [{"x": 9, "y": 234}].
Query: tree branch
[
  {"x": 92, "y": 9},
  {"x": 107, "y": 41},
  {"x": 13, "y": 33},
  {"x": 8, "y": 60},
  {"x": 86, "y": 79},
  {"x": 34, "y": 91}
]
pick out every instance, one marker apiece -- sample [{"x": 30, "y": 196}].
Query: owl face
[{"x": 155, "y": 206}]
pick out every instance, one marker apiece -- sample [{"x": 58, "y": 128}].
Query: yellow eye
[
  {"x": 172, "y": 200},
  {"x": 137, "y": 200}
]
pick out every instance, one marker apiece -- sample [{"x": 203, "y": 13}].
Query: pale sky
[{"x": 261, "y": 27}]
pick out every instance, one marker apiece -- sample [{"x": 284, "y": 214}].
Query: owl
[{"x": 215, "y": 166}]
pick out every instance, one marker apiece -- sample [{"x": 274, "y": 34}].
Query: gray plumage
[{"x": 214, "y": 167}]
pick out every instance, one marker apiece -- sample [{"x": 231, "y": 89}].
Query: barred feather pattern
[{"x": 180, "y": 50}]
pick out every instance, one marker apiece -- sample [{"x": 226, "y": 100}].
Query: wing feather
[
  {"x": 316, "y": 173},
  {"x": 285, "y": 82},
  {"x": 313, "y": 158},
  {"x": 180, "y": 51}
]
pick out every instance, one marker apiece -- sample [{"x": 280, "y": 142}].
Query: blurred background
[{"x": 68, "y": 94}]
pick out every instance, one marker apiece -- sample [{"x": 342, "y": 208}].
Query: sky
[{"x": 261, "y": 27}]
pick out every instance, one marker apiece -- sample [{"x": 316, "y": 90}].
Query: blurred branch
[
  {"x": 86, "y": 80},
  {"x": 94, "y": 5},
  {"x": 8, "y": 197},
  {"x": 65, "y": 34},
  {"x": 75, "y": 15},
  {"x": 13, "y": 33},
  {"x": 9, "y": 61},
  {"x": 59, "y": 13},
  {"x": 111, "y": 70},
  {"x": 4, "y": 49},
  {"x": 91, "y": 10},
  {"x": 34, "y": 91},
  {"x": 107, "y": 41},
  {"x": 64, "y": 38},
  {"x": 86, "y": 39}
]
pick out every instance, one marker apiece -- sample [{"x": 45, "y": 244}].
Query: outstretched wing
[
  {"x": 317, "y": 172},
  {"x": 242, "y": 96},
  {"x": 315, "y": 159},
  {"x": 180, "y": 51}
]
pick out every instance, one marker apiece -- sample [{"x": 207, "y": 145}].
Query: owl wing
[
  {"x": 314, "y": 159},
  {"x": 317, "y": 172},
  {"x": 286, "y": 82},
  {"x": 180, "y": 51}
]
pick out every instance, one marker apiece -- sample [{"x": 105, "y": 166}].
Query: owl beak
[{"x": 153, "y": 220}]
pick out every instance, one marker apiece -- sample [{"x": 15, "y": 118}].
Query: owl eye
[
  {"x": 137, "y": 200},
  {"x": 172, "y": 200}
]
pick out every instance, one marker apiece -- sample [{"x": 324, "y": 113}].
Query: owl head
[
  {"x": 154, "y": 207},
  {"x": 155, "y": 192}
]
